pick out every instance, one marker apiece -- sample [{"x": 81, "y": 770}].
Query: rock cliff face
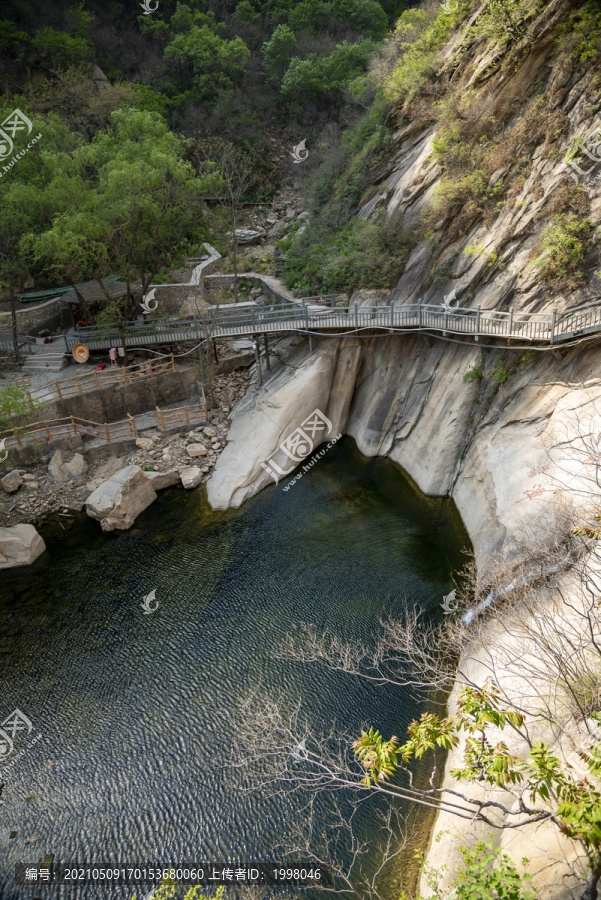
[{"x": 499, "y": 442}]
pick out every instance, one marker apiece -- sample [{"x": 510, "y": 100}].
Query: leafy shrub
[
  {"x": 476, "y": 372},
  {"x": 500, "y": 373},
  {"x": 564, "y": 245},
  {"x": 419, "y": 35},
  {"x": 361, "y": 254},
  {"x": 525, "y": 360},
  {"x": 486, "y": 872}
]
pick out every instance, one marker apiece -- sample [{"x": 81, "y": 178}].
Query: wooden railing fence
[
  {"x": 108, "y": 431},
  {"x": 94, "y": 380}
]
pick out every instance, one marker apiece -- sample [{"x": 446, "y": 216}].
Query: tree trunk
[
  {"x": 123, "y": 345},
  {"x": 592, "y": 882},
  {"x": 208, "y": 361},
  {"x": 13, "y": 322},
  {"x": 235, "y": 254}
]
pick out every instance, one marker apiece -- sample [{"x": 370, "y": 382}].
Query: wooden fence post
[
  {"x": 124, "y": 374},
  {"x": 58, "y": 390},
  {"x": 47, "y": 430},
  {"x": 187, "y": 416},
  {"x": 132, "y": 425},
  {"x": 150, "y": 368},
  {"x": 73, "y": 425},
  {"x": 108, "y": 434},
  {"x": 78, "y": 384},
  {"x": 160, "y": 418}
]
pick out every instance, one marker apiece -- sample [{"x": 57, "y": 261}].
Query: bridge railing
[{"x": 231, "y": 321}]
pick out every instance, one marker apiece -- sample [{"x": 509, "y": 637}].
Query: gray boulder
[
  {"x": 61, "y": 469},
  {"x": 11, "y": 482},
  {"x": 160, "y": 480},
  {"x": 191, "y": 477},
  {"x": 249, "y": 236},
  {"x": 20, "y": 545},
  {"x": 122, "y": 498},
  {"x": 196, "y": 450}
]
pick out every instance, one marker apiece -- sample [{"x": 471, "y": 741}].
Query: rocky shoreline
[{"x": 30, "y": 493}]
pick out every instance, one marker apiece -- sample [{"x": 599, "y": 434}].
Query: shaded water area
[{"x": 135, "y": 712}]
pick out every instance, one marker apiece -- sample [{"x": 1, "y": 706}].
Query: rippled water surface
[{"x": 134, "y": 712}]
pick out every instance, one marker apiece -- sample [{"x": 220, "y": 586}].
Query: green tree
[
  {"x": 27, "y": 207},
  {"x": 575, "y": 805},
  {"x": 133, "y": 201},
  {"x": 365, "y": 16},
  {"x": 308, "y": 15},
  {"x": 226, "y": 174},
  {"x": 277, "y": 52},
  {"x": 203, "y": 58}
]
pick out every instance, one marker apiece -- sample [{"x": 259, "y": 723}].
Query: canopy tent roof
[
  {"x": 92, "y": 292},
  {"x": 54, "y": 292}
]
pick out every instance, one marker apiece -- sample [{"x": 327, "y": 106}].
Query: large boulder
[
  {"x": 191, "y": 477},
  {"x": 62, "y": 469},
  {"x": 160, "y": 480},
  {"x": 12, "y": 482},
  {"x": 20, "y": 545},
  {"x": 249, "y": 236},
  {"x": 122, "y": 498}
]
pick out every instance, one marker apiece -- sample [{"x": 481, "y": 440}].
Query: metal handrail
[{"x": 530, "y": 326}]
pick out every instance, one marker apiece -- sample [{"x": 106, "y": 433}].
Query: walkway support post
[
  {"x": 391, "y": 317},
  {"x": 419, "y": 312},
  {"x": 356, "y": 316},
  {"x": 553, "y": 325},
  {"x": 477, "y": 337},
  {"x": 267, "y": 363},
  {"x": 258, "y": 359}
]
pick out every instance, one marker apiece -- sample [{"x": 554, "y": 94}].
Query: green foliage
[
  {"x": 377, "y": 756},
  {"x": 576, "y": 804},
  {"x": 308, "y": 79},
  {"x": 582, "y": 32},
  {"x": 526, "y": 360},
  {"x": 278, "y": 50},
  {"x": 56, "y": 48},
  {"x": 500, "y": 373},
  {"x": 364, "y": 16},
  {"x": 475, "y": 373},
  {"x": 168, "y": 890},
  {"x": 420, "y": 34},
  {"x": 360, "y": 254},
  {"x": 306, "y": 15},
  {"x": 132, "y": 217},
  {"x": 563, "y": 247},
  {"x": 16, "y": 407},
  {"x": 503, "y": 20},
  {"x": 488, "y": 874},
  {"x": 206, "y": 60}
]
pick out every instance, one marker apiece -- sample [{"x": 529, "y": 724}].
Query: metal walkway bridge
[{"x": 308, "y": 317}]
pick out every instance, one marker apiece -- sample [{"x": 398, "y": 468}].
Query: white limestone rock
[
  {"x": 61, "y": 469},
  {"x": 191, "y": 477},
  {"x": 117, "y": 503},
  {"x": 161, "y": 480},
  {"x": 20, "y": 545},
  {"x": 11, "y": 482},
  {"x": 196, "y": 450}
]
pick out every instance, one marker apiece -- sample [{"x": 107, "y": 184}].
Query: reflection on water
[{"x": 135, "y": 711}]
